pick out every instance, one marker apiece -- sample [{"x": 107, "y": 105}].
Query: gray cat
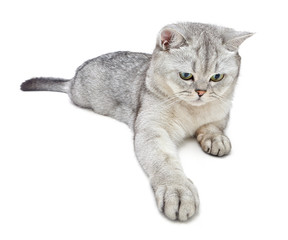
[{"x": 183, "y": 89}]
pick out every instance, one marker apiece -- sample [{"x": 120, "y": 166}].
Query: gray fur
[
  {"x": 145, "y": 92},
  {"x": 46, "y": 84}
]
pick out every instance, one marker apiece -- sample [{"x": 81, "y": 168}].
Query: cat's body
[
  {"x": 119, "y": 95},
  {"x": 160, "y": 99}
]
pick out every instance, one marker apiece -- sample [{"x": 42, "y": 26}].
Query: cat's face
[
  {"x": 198, "y": 75},
  {"x": 197, "y": 69}
]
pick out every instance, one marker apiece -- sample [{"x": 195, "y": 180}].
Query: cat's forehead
[
  {"x": 200, "y": 56},
  {"x": 204, "y": 45},
  {"x": 203, "y": 53}
]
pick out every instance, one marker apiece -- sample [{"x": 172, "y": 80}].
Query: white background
[{"x": 67, "y": 173}]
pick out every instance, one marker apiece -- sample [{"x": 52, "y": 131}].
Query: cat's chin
[{"x": 197, "y": 103}]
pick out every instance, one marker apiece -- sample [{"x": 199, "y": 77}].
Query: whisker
[
  {"x": 221, "y": 99},
  {"x": 164, "y": 105},
  {"x": 167, "y": 103}
]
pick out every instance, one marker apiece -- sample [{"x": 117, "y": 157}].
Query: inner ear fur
[{"x": 170, "y": 38}]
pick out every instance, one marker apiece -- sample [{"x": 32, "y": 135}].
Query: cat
[{"x": 184, "y": 89}]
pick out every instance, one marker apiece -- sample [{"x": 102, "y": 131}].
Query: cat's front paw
[
  {"x": 178, "y": 200},
  {"x": 214, "y": 144}
]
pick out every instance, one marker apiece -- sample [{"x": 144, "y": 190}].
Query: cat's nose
[{"x": 200, "y": 92}]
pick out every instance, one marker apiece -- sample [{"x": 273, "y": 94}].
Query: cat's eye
[
  {"x": 217, "y": 77},
  {"x": 186, "y": 76}
]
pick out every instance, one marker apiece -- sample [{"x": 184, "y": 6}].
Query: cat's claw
[
  {"x": 178, "y": 201},
  {"x": 215, "y": 144}
]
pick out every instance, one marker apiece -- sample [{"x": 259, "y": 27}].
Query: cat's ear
[
  {"x": 170, "y": 38},
  {"x": 233, "y": 39}
]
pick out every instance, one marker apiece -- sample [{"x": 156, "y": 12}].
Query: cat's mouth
[
  {"x": 199, "y": 101},
  {"x": 193, "y": 100},
  {"x": 196, "y": 102}
]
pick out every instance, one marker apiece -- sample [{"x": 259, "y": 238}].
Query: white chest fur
[{"x": 186, "y": 120}]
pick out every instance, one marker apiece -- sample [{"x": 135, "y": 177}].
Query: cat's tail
[{"x": 46, "y": 84}]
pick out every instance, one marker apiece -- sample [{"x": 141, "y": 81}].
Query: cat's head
[{"x": 197, "y": 63}]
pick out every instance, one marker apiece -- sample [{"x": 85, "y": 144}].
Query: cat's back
[
  {"x": 116, "y": 62},
  {"x": 113, "y": 70},
  {"x": 110, "y": 84}
]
